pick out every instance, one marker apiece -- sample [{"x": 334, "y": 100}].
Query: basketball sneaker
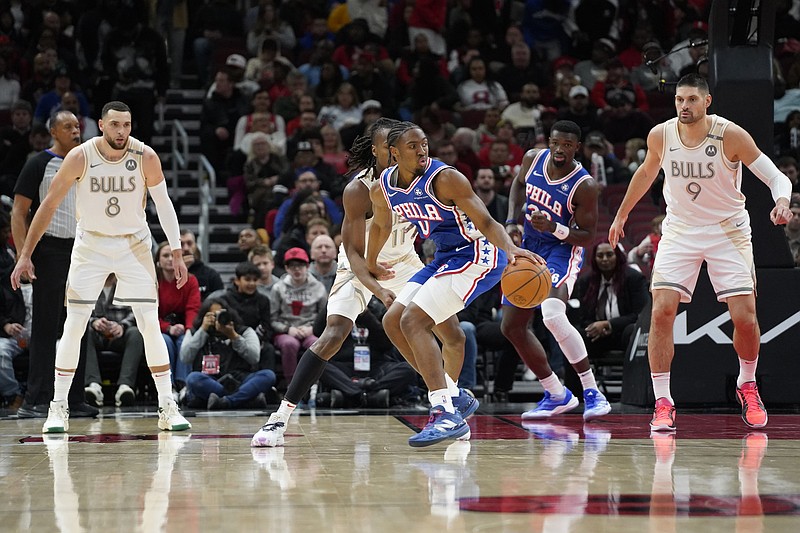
[
  {"x": 271, "y": 433},
  {"x": 663, "y": 416},
  {"x": 753, "y": 412},
  {"x": 465, "y": 403},
  {"x": 441, "y": 426},
  {"x": 57, "y": 418},
  {"x": 170, "y": 417},
  {"x": 595, "y": 404},
  {"x": 549, "y": 407}
]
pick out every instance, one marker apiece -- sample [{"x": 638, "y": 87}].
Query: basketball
[{"x": 526, "y": 284}]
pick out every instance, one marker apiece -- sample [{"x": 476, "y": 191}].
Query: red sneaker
[
  {"x": 663, "y": 416},
  {"x": 753, "y": 412}
]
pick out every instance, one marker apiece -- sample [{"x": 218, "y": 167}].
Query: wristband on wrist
[
  {"x": 561, "y": 232},
  {"x": 510, "y": 221}
]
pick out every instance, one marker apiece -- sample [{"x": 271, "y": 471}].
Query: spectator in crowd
[
  {"x": 344, "y": 111},
  {"x": 598, "y": 157},
  {"x": 263, "y": 120},
  {"x": 71, "y": 102},
  {"x": 306, "y": 181},
  {"x": 792, "y": 229},
  {"x": 562, "y": 84},
  {"x": 595, "y": 68},
  {"x": 306, "y": 152},
  {"x": 306, "y": 119},
  {"x": 428, "y": 87},
  {"x": 485, "y": 186},
  {"x": 434, "y": 125},
  {"x": 261, "y": 257},
  {"x": 248, "y": 239},
  {"x": 295, "y": 302},
  {"x": 176, "y": 309},
  {"x": 479, "y": 91},
  {"x": 12, "y": 135},
  {"x": 38, "y": 84},
  {"x": 527, "y": 112},
  {"x": 9, "y": 87},
  {"x": 487, "y": 129},
  {"x": 371, "y": 110},
  {"x": 371, "y": 83},
  {"x": 378, "y": 377},
  {"x": 208, "y": 279},
  {"x": 466, "y": 142},
  {"x": 635, "y": 150},
  {"x": 521, "y": 71},
  {"x": 333, "y": 151},
  {"x": 643, "y": 255},
  {"x": 330, "y": 81},
  {"x": 51, "y": 100},
  {"x": 317, "y": 60},
  {"x": 253, "y": 308},
  {"x": 357, "y": 39},
  {"x": 446, "y": 153},
  {"x": 223, "y": 354},
  {"x": 261, "y": 172},
  {"x": 323, "y": 260},
  {"x": 315, "y": 228},
  {"x": 219, "y": 116},
  {"x": 287, "y": 106},
  {"x": 15, "y": 318},
  {"x": 617, "y": 82},
  {"x": 113, "y": 328},
  {"x": 269, "y": 26},
  {"x": 505, "y": 134},
  {"x": 580, "y": 110},
  {"x": 611, "y": 296},
  {"x": 302, "y": 211},
  {"x": 788, "y": 165},
  {"x": 37, "y": 140},
  {"x": 317, "y": 32},
  {"x": 410, "y": 60},
  {"x": 622, "y": 121}
]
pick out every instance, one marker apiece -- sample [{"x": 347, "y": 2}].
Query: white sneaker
[
  {"x": 170, "y": 417},
  {"x": 124, "y": 396},
  {"x": 57, "y": 418},
  {"x": 94, "y": 394},
  {"x": 271, "y": 433}
]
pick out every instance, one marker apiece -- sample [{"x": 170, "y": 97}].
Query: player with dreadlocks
[{"x": 354, "y": 285}]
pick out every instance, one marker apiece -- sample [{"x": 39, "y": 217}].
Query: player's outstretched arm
[
  {"x": 379, "y": 233},
  {"x": 451, "y": 186},
  {"x": 740, "y": 146},
  {"x": 357, "y": 204},
  {"x": 157, "y": 186},
  {"x": 69, "y": 172},
  {"x": 640, "y": 183}
]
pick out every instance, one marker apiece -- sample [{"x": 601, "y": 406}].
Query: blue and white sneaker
[
  {"x": 549, "y": 407},
  {"x": 595, "y": 404},
  {"x": 465, "y": 403},
  {"x": 441, "y": 426}
]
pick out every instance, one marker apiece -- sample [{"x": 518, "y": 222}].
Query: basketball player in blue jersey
[
  {"x": 707, "y": 220},
  {"x": 354, "y": 286},
  {"x": 471, "y": 252},
  {"x": 560, "y": 201}
]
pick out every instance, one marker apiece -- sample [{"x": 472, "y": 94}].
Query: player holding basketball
[
  {"x": 112, "y": 175},
  {"x": 353, "y": 285},
  {"x": 560, "y": 200},
  {"x": 471, "y": 250},
  {"x": 706, "y": 220}
]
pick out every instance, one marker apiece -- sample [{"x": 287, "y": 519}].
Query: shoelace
[
  {"x": 749, "y": 396},
  {"x": 273, "y": 426},
  {"x": 664, "y": 411}
]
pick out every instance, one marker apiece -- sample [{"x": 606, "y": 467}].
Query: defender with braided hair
[{"x": 354, "y": 285}]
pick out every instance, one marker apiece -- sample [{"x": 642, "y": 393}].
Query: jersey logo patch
[
  {"x": 711, "y": 150},
  {"x": 130, "y": 164}
]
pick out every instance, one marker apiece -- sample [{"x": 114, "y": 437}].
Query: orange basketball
[{"x": 526, "y": 284}]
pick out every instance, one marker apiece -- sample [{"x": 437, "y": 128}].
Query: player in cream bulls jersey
[
  {"x": 354, "y": 286},
  {"x": 706, "y": 220},
  {"x": 112, "y": 175}
]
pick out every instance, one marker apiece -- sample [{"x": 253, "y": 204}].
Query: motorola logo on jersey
[
  {"x": 130, "y": 164},
  {"x": 112, "y": 183},
  {"x": 543, "y": 198},
  {"x": 711, "y": 150},
  {"x": 692, "y": 170}
]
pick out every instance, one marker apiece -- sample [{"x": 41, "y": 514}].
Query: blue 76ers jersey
[
  {"x": 551, "y": 197},
  {"x": 446, "y": 225}
]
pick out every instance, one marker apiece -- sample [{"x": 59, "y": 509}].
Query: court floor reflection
[{"x": 354, "y": 473}]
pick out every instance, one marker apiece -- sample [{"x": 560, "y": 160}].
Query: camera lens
[{"x": 224, "y": 318}]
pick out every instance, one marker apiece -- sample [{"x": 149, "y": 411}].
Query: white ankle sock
[
  {"x": 747, "y": 371},
  {"x": 163, "y": 381},
  {"x": 587, "y": 380},
  {"x": 452, "y": 387},
  {"x": 552, "y": 385},
  {"x": 286, "y": 409},
  {"x": 442, "y": 397},
  {"x": 62, "y": 384},
  {"x": 661, "y": 386}
]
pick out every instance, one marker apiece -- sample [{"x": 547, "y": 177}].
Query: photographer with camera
[{"x": 224, "y": 356}]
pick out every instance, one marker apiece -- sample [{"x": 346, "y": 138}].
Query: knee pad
[{"x": 554, "y": 316}]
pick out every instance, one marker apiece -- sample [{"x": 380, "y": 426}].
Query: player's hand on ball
[{"x": 516, "y": 251}]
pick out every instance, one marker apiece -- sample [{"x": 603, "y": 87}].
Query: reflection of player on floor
[
  {"x": 560, "y": 200},
  {"x": 706, "y": 220},
  {"x": 470, "y": 254},
  {"x": 353, "y": 284},
  {"x": 112, "y": 175}
]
